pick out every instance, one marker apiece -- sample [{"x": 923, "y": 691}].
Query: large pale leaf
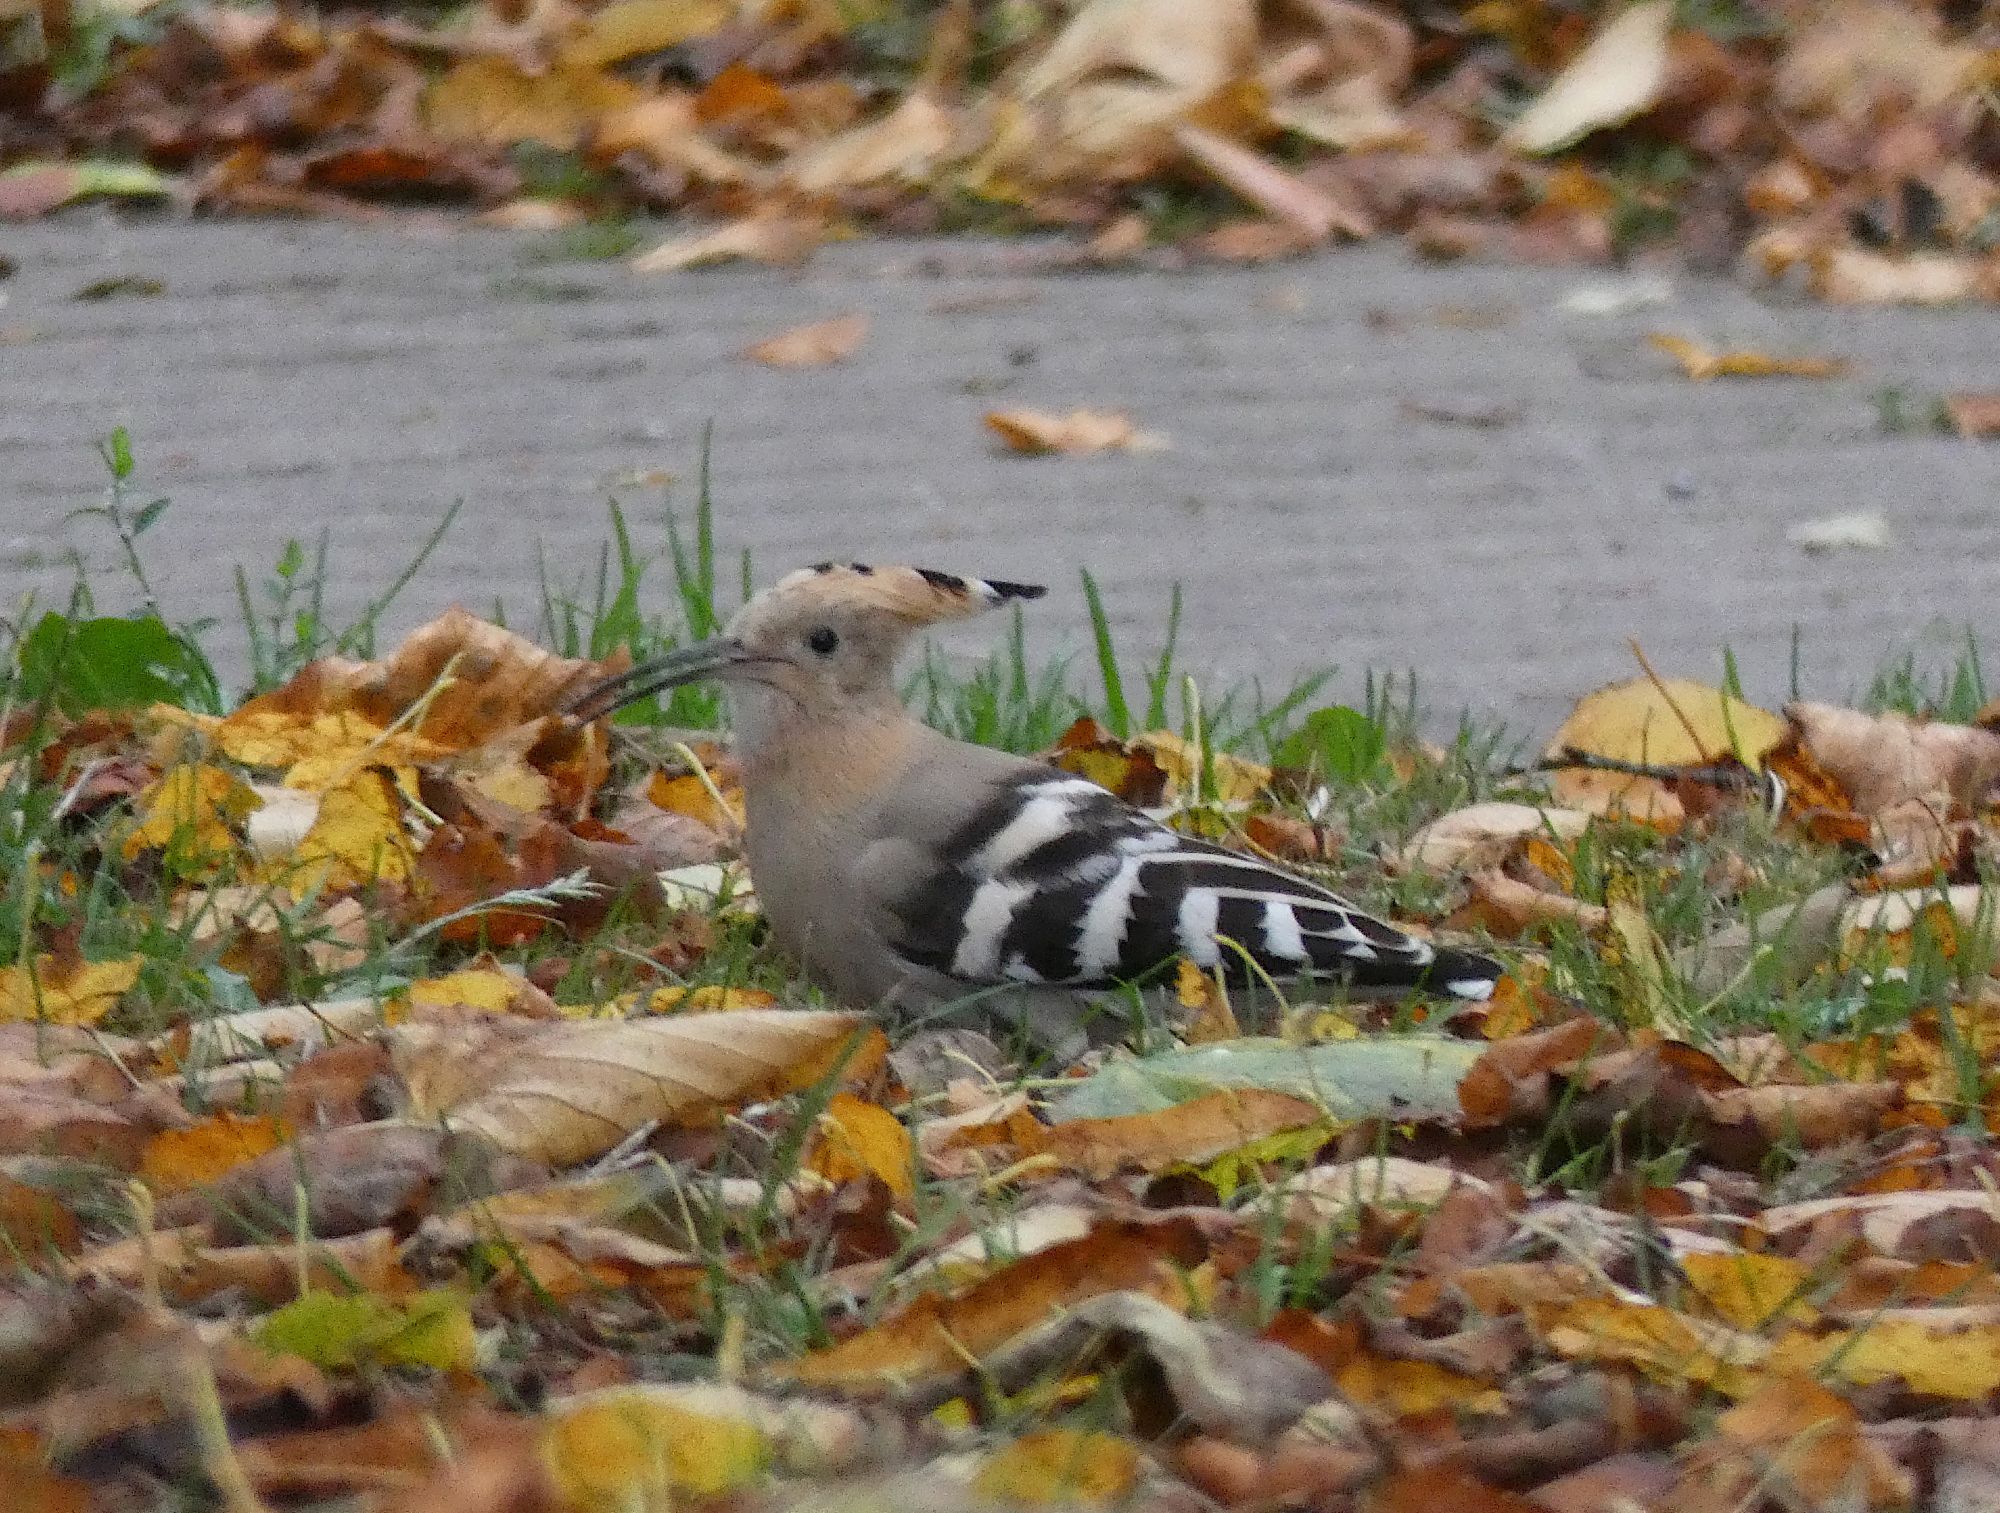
[
  {"x": 567, "y": 1092},
  {"x": 1411, "y": 1076},
  {"x": 1621, "y": 74}
]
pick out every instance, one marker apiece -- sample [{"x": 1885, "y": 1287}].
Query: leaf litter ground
[
  {"x": 1846, "y": 146},
  {"x": 400, "y": 1108}
]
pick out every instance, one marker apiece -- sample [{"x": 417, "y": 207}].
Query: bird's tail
[{"x": 1461, "y": 974}]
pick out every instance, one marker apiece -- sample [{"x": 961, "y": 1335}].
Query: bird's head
[{"x": 818, "y": 643}]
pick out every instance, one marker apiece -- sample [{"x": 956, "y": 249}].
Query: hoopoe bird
[{"x": 906, "y": 870}]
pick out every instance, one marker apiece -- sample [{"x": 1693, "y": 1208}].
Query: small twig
[{"x": 1660, "y": 686}]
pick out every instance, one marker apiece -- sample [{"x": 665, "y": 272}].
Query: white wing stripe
[
  {"x": 1105, "y": 923},
  {"x": 985, "y": 927},
  {"x": 1195, "y": 925},
  {"x": 1282, "y": 937},
  {"x": 1037, "y": 822}
]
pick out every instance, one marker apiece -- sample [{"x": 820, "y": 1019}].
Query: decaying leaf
[
  {"x": 923, "y": 1350},
  {"x": 1885, "y": 760}
]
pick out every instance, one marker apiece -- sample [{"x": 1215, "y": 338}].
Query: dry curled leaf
[{"x": 1887, "y": 759}]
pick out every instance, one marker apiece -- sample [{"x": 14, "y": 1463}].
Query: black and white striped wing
[{"x": 1055, "y": 880}]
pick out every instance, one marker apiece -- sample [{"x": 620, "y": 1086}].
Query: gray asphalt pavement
[{"x": 1370, "y": 462}]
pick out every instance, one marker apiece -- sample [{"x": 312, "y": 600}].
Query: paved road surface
[{"x": 1328, "y": 495}]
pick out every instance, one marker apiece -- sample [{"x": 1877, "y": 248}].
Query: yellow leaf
[
  {"x": 1700, "y": 364},
  {"x": 358, "y": 835},
  {"x": 1235, "y": 779},
  {"x": 711, "y": 998},
  {"x": 1074, "y": 1468},
  {"x": 1672, "y": 723},
  {"x": 267, "y": 737},
  {"x": 627, "y": 28},
  {"x": 1667, "y": 1346},
  {"x": 485, "y": 988},
  {"x": 335, "y": 1330},
  {"x": 687, "y": 794},
  {"x": 628, "y": 1448},
  {"x": 1214, "y": 1019},
  {"x": 492, "y": 102},
  {"x": 81, "y": 992},
  {"x": 510, "y": 781},
  {"x": 1940, "y": 1362},
  {"x": 1750, "y": 1289},
  {"x": 192, "y": 812},
  {"x": 859, "y": 1139},
  {"x": 1413, "y": 1387},
  {"x": 176, "y": 1159}
]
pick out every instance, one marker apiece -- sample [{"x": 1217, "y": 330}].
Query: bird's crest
[{"x": 914, "y": 595}]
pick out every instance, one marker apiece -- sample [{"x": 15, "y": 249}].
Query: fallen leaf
[
  {"x": 66, "y": 991},
  {"x": 1865, "y": 530},
  {"x": 1795, "y": 1440},
  {"x": 903, "y": 144},
  {"x": 812, "y": 346},
  {"x": 1191, "y": 1134},
  {"x": 35, "y": 188},
  {"x": 1976, "y": 417},
  {"x": 1282, "y": 195},
  {"x": 1070, "y": 1468},
  {"x": 1862, "y": 276},
  {"x": 1039, "y": 433},
  {"x": 334, "y": 1330},
  {"x": 924, "y": 1349},
  {"x": 493, "y": 101},
  {"x": 774, "y": 238},
  {"x": 1122, "y": 73},
  {"x": 177, "y": 1159},
  {"x": 627, "y": 28},
  {"x": 1673, "y": 722},
  {"x": 644, "y": 1446},
  {"x": 1481, "y": 836},
  {"x": 1621, "y": 74},
  {"x": 1884, "y": 760},
  {"x": 569, "y": 1092},
  {"x": 860, "y": 1139},
  {"x": 1394, "y": 1076},
  {"x": 1701, "y": 364}
]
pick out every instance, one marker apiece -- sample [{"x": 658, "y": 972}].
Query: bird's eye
[{"x": 823, "y": 640}]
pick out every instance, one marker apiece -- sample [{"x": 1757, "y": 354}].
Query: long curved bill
[{"x": 687, "y": 664}]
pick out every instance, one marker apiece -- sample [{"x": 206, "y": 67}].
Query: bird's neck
[{"x": 832, "y": 759}]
